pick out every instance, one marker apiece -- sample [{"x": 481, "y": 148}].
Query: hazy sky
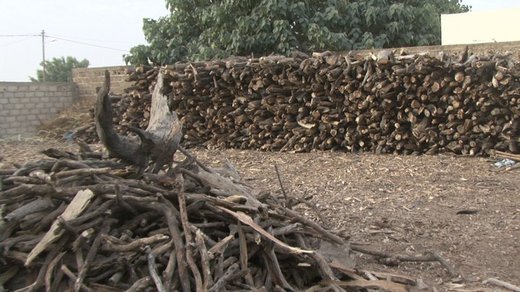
[
  {"x": 115, "y": 24},
  {"x": 98, "y": 30}
]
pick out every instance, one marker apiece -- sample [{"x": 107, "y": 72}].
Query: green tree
[
  {"x": 59, "y": 69},
  {"x": 205, "y": 29}
]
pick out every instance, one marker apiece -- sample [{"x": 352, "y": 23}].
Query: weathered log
[
  {"x": 158, "y": 142},
  {"x": 116, "y": 145}
]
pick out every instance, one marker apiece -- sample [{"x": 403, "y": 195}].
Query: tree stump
[{"x": 157, "y": 143}]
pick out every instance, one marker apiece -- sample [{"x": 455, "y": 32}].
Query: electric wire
[
  {"x": 63, "y": 39},
  {"x": 85, "y": 43}
]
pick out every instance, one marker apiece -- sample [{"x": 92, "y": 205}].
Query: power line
[
  {"x": 18, "y": 35},
  {"x": 94, "y": 40},
  {"x": 15, "y": 42},
  {"x": 64, "y": 39},
  {"x": 85, "y": 43}
]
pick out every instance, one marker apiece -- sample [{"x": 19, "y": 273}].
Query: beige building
[{"x": 481, "y": 27}]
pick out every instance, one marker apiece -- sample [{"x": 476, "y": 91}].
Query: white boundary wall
[{"x": 481, "y": 27}]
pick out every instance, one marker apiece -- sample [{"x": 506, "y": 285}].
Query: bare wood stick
[
  {"x": 35, "y": 206},
  {"x": 50, "y": 271},
  {"x": 273, "y": 266},
  {"x": 123, "y": 203},
  {"x": 8, "y": 275},
  {"x": 56, "y": 281},
  {"x": 173, "y": 225},
  {"x": 244, "y": 218},
  {"x": 73, "y": 277},
  {"x": 325, "y": 269},
  {"x": 7, "y": 171},
  {"x": 40, "y": 278},
  {"x": 140, "y": 284},
  {"x": 429, "y": 257},
  {"x": 187, "y": 233},
  {"x": 369, "y": 284},
  {"x": 130, "y": 198},
  {"x": 90, "y": 256},
  {"x": 204, "y": 259},
  {"x": 314, "y": 226},
  {"x": 64, "y": 225},
  {"x": 83, "y": 171},
  {"x": 191, "y": 156},
  {"x": 90, "y": 215},
  {"x": 75, "y": 208},
  {"x": 445, "y": 264},
  {"x": 49, "y": 218},
  {"x": 511, "y": 156},
  {"x": 152, "y": 269},
  {"x": 17, "y": 180},
  {"x": 169, "y": 270},
  {"x": 134, "y": 245},
  {"x": 222, "y": 281},
  {"x": 281, "y": 185},
  {"x": 244, "y": 255},
  {"x": 502, "y": 284},
  {"x": 222, "y": 244}
]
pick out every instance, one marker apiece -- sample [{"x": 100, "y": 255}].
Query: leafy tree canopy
[
  {"x": 206, "y": 29},
  {"x": 59, "y": 69}
]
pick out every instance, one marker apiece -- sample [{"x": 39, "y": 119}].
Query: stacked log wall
[{"x": 424, "y": 103}]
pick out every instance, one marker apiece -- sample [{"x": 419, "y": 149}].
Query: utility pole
[{"x": 43, "y": 54}]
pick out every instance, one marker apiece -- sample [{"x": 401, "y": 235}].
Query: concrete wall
[
  {"x": 25, "y": 105},
  {"x": 87, "y": 79},
  {"x": 481, "y": 27},
  {"x": 478, "y": 49}
]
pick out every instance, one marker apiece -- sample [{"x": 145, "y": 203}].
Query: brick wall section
[
  {"x": 25, "y": 105},
  {"x": 87, "y": 79}
]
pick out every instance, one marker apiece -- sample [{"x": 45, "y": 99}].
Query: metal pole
[{"x": 43, "y": 54}]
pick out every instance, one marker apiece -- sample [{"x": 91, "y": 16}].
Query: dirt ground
[{"x": 397, "y": 204}]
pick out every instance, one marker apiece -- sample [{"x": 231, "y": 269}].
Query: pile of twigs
[{"x": 92, "y": 224}]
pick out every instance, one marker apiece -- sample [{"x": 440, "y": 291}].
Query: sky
[
  {"x": 109, "y": 27},
  {"x": 101, "y": 31}
]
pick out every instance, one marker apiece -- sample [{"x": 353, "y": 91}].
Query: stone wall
[
  {"x": 88, "y": 79},
  {"x": 25, "y": 105}
]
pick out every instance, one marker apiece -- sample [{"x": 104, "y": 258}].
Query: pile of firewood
[
  {"x": 146, "y": 222},
  {"x": 77, "y": 220},
  {"x": 386, "y": 103}
]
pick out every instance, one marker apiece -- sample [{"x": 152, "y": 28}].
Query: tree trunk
[{"x": 157, "y": 143}]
